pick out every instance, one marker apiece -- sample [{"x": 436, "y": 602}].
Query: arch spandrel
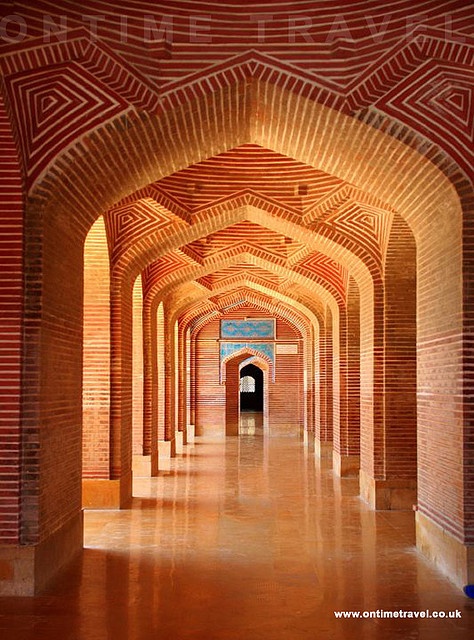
[{"x": 364, "y": 154}]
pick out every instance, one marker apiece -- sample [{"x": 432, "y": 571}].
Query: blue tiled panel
[
  {"x": 265, "y": 348},
  {"x": 247, "y": 329}
]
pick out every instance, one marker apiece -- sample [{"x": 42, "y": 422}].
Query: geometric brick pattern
[
  {"x": 381, "y": 61},
  {"x": 211, "y": 185},
  {"x": 57, "y": 104},
  {"x": 143, "y": 215},
  {"x": 438, "y": 99},
  {"x": 294, "y": 185},
  {"x": 326, "y": 270},
  {"x": 59, "y": 92},
  {"x": 251, "y": 272}
]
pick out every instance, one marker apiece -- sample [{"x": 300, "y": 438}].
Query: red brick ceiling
[
  {"x": 341, "y": 38},
  {"x": 311, "y": 198},
  {"x": 292, "y": 184},
  {"x": 112, "y": 62}
]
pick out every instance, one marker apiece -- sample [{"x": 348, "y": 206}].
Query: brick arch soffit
[
  {"x": 292, "y": 308},
  {"x": 253, "y": 69},
  {"x": 125, "y": 253},
  {"x": 354, "y": 258},
  {"x": 324, "y": 290},
  {"x": 302, "y": 319},
  {"x": 313, "y": 312},
  {"x": 194, "y": 269},
  {"x": 366, "y": 153},
  {"x": 329, "y": 128},
  {"x": 342, "y": 255},
  {"x": 262, "y": 362}
]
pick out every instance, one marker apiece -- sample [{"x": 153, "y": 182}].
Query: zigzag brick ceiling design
[{"x": 85, "y": 65}]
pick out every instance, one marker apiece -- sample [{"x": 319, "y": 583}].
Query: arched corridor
[{"x": 187, "y": 204}]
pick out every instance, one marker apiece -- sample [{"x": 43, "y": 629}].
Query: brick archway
[
  {"x": 232, "y": 366},
  {"x": 424, "y": 197}
]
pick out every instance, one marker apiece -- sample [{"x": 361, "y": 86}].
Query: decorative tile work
[
  {"x": 247, "y": 328},
  {"x": 267, "y": 349}
]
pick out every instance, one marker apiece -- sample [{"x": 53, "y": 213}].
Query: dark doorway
[{"x": 251, "y": 388}]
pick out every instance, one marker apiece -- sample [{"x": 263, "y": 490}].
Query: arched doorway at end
[{"x": 251, "y": 389}]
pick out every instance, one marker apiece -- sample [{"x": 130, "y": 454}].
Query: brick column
[
  {"x": 182, "y": 384},
  {"x": 170, "y": 383},
  {"x": 346, "y": 457},
  {"x": 159, "y": 354},
  {"x": 145, "y": 462},
  {"x": 190, "y": 431},
  {"x": 96, "y": 367},
  {"x": 445, "y": 506},
  {"x": 232, "y": 399},
  {"x": 324, "y": 435},
  {"x": 310, "y": 386},
  {"x": 50, "y": 519},
  {"x": 392, "y": 485},
  {"x": 11, "y": 329},
  {"x": 192, "y": 394},
  {"x": 121, "y": 394}
]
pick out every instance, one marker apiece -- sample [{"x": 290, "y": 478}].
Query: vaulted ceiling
[
  {"x": 69, "y": 69},
  {"x": 247, "y": 253}
]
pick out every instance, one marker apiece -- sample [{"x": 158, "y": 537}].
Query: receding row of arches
[{"x": 130, "y": 304}]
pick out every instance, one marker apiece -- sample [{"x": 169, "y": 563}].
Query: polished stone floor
[{"x": 243, "y": 538}]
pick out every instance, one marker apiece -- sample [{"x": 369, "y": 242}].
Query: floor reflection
[
  {"x": 242, "y": 538},
  {"x": 251, "y": 423}
]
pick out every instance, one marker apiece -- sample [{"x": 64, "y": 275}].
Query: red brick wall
[
  {"x": 121, "y": 377},
  {"x": 154, "y": 379},
  {"x": 286, "y": 409},
  {"x": 352, "y": 436},
  {"x": 170, "y": 372},
  {"x": 52, "y": 397},
  {"x": 96, "y": 353},
  {"x": 285, "y": 395},
  {"x": 468, "y": 362},
  {"x": 232, "y": 404},
  {"x": 183, "y": 392},
  {"x": 325, "y": 433},
  {"x": 210, "y": 395},
  {"x": 160, "y": 337},
  {"x": 138, "y": 365},
  {"x": 340, "y": 377},
  {"x": 371, "y": 399},
  {"x": 400, "y": 353},
  {"x": 11, "y": 303},
  {"x": 442, "y": 494}
]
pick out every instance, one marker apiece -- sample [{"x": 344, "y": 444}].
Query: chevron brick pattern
[{"x": 303, "y": 166}]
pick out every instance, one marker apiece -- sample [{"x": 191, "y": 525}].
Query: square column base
[
  {"x": 179, "y": 441},
  {"x": 308, "y": 440},
  {"x": 190, "y": 433},
  {"x": 145, "y": 466},
  {"x": 323, "y": 452},
  {"x": 449, "y": 555},
  {"x": 167, "y": 449},
  {"x": 392, "y": 494},
  {"x": 27, "y": 570},
  {"x": 98, "y": 493},
  {"x": 345, "y": 466}
]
